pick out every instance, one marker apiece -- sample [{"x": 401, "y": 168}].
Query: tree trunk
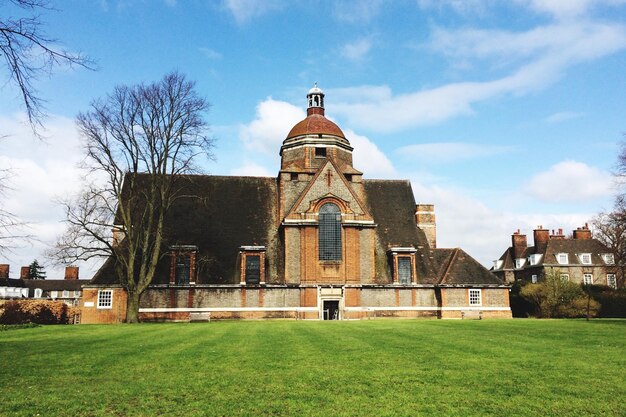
[{"x": 132, "y": 307}]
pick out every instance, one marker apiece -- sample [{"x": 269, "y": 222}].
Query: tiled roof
[{"x": 315, "y": 124}]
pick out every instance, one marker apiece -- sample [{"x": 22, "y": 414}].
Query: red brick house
[
  {"x": 579, "y": 258},
  {"x": 316, "y": 242}
]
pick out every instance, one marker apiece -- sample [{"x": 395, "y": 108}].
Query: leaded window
[
  {"x": 330, "y": 233},
  {"x": 253, "y": 269},
  {"x": 404, "y": 270},
  {"x": 475, "y": 298}
]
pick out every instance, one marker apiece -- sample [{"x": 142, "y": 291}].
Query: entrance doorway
[{"x": 331, "y": 309}]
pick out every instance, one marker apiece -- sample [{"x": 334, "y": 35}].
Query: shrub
[
  {"x": 36, "y": 311},
  {"x": 555, "y": 297}
]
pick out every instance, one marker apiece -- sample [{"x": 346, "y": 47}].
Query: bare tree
[
  {"x": 28, "y": 53},
  {"x": 13, "y": 231},
  {"x": 610, "y": 229},
  {"x": 140, "y": 141}
]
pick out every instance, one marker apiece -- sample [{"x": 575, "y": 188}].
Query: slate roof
[
  {"x": 570, "y": 246},
  {"x": 45, "y": 284},
  {"x": 218, "y": 214}
]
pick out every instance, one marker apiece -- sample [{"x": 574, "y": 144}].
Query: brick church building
[{"x": 316, "y": 242}]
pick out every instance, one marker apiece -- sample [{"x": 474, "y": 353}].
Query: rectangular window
[
  {"x": 474, "y": 297},
  {"x": 76, "y": 294},
  {"x": 611, "y": 281},
  {"x": 405, "y": 270},
  {"x": 609, "y": 258},
  {"x": 562, "y": 258},
  {"x": 533, "y": 279},
  {"x": 183, "y": 269},
  {"x": 66, "y": 294},
  {"x": 564, "y": 277},
  {"x": 320, "y": 152},
  {"x": 105, "y": 299},
  {"x": 587, "y": 279},
  {"x": 519, "y": 263},
  {"x": 253, "y": 269},
  {"x": 54, "y": 294},
  {"x": 585, "y": 258}
]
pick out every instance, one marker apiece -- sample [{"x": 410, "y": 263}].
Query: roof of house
[{"x": 571, "y": 247}]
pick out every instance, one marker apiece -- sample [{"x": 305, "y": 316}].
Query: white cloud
[
  {"x": 273, "y": 121},
  {"x": 357, "y": 50},
  {"x": 42, "y": 172},
  {"x": 368, "y": 158},
  {"x": 570, "y": 181},
  {"x": 466, "y": 222},
  {"x": 563, "y": 116},
  {"x": 356, "y": 11},
  {"x": 450, "y": 151},
  {"x": 245, "y": 10},
  {"x": 547, "y": 53},
  {"x": 252, "y": 169}
]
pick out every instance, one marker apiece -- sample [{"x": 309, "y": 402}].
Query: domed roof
[
  {"x": 316, "y": 90},
  {"x": 315, "y": 124}
]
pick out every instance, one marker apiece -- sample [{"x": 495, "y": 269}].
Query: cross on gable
[{"x": 329, "y": 177}]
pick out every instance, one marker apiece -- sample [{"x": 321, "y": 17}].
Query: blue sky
[{"x": 504, "y": 114}]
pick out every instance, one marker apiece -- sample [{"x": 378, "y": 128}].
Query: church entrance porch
[{"x": 330, "y": 302}]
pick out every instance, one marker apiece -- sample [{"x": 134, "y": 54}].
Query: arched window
[{"x": 330, "y": 233}]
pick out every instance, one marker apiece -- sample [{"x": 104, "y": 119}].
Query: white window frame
[
  {"x": 608, "y": 258},
  {"x": 564, "y": 277},
  {"x": 54, "y": 294},
  {"x": 76, "y": 293},
  {"x": 66, "y": 294},
  {"x": 475, "y": 297},
  {"x": 519, "y": 263},
  {"x": 105, "y": 299},
  {"x": 565, "y": 258},
  {"x": 38, "y": 293},
  {"x": 534, "y": 259},
  {"x": 614, "y": 279},
  {"x": 585, "y": 257},
  {"x": 533, "y": 278},
  {"x": 588, "y": 279}
]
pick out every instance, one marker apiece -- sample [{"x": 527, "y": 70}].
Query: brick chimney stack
[
  {"x": 71, "y": 272},
  {"x": 24, "y": 272},
  {"x": 582, "y": 233},
  {"x": 519, "y": 244},
  {"x": 4, "y": 271},
  {"x": 425, "y": 219},
  {"x": 541, "y": 237}
]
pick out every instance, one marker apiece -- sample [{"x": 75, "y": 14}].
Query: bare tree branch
[
  {"x": 140, "y": 140},
  {"x": 28, "y": 53}
]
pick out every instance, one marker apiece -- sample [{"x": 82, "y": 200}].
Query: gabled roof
[{"x": 462, "y": 269}]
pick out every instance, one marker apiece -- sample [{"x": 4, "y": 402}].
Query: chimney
[
  {"x": 582, "y": 233},
  {"x": 25, "y": 272},
  {"x": 558, "y": 235},
  {"x": 519, "y": 244},
  {"x": 541, "y": 237},
  {"x": 71, "y": 272},
  {"x": 425, "y": 219},
  {"x": 4, "y": 271}
]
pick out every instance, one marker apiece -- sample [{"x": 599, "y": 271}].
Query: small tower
[{"x": 316, "y": 101}]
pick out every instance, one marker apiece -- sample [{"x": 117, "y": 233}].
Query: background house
[{"x": 579, "y": 258}]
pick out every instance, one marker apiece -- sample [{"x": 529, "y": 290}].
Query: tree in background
[
  {"x": 28, "y": 53},
  {"x": 610, "y": 229},
  {"x": 140, "y": 141},
  {"x": 36, "y": 271}
]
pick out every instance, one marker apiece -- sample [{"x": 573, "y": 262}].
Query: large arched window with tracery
[{"x": 330, "y": 233}]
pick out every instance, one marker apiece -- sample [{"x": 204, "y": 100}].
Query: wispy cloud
[
  {"x": 246, "y": 10},
  {"x": 357, "y": 11},
  {"x": 450, "y": 151},
  {"x": 537, "y": 58},
  {"x": 357, "y": 50},
  {"x": 563, "y": 116},
  {"x": 210, "y": 53},
  {"x": 570, "y": 181}
]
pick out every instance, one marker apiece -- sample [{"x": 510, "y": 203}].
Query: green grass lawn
[{"x": 294, "y": 368}]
